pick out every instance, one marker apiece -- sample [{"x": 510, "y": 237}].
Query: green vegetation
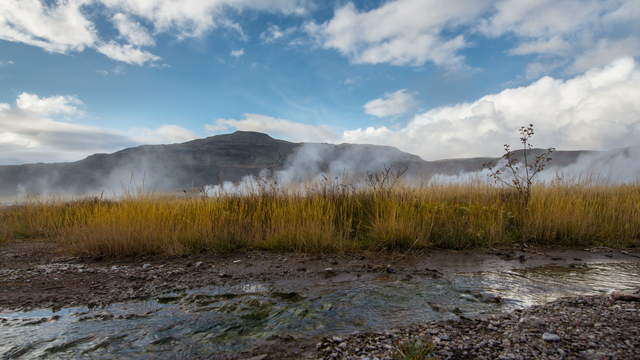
[
  {"x": 416, "y": 349},
  {"x": 334, "y": 220}
]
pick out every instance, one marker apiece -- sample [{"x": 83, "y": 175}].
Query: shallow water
[{"x": 212, "y": 321}]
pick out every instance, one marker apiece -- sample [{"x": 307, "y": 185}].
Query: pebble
[
  {"x": 518, "y": 336},
  {"x": 551, "y": 337}
]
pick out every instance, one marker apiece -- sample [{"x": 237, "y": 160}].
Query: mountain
[{"x": 218, "y": 159}]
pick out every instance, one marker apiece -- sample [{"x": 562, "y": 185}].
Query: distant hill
[{"x": 218, "y": 159}]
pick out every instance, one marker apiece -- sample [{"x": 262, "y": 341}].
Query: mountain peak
[{"x": 242, "y": 137}]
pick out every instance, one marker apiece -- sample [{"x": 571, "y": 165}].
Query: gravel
[{"x": 587, "y": 327}]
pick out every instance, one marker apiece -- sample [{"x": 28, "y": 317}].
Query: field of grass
[{"x": 438, "y": 216}]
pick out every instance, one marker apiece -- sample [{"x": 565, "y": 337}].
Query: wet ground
[{"x": 278, "y": 305}]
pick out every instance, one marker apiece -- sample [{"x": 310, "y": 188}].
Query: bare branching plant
[
  {"x": 519, "y": 174},
  {"x": 386, "y": 178}
]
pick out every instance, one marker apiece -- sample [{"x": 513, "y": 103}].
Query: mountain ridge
[{"x": 223, "y": 158}]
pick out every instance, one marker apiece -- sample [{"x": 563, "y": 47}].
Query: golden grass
[{"x": 445, "y": 216}]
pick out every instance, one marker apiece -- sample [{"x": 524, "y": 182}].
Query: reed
[{"x": 453, "y": 216}]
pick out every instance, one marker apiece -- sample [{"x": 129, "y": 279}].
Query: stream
[{"x": 213, "y": 321}]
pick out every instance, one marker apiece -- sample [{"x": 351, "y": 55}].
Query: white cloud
[
  {"x": 604, "y": 51},
  {"x": 29, "y": 134},
  {"x": 535, "y": 70},
  {"x": 596, "y": 110},
  {"x": 392, "y": 104},
  {"x": 66, "y": 26},
  {"x": 291, "y": 130},
  {"x": 237, "y": 53},
  {"x": 127, "y": 53},
  {"x": 6, "y": 63},
  {"x": 275, "y": 33},
  {"x": 568, "y": 28},
  {"x": 400, "y": 32},
  {"x": 414, "y": 32},
  {"x": 165, "y": 134},
  {"x": 116, "y": 70},
  {"x": 54, "y": 105},
  {"x": 555, "y": 45},
  {"x": 59, "y": 27},
  {"x": 131, "y": 31},
  {"x": 196, "y": 17}
]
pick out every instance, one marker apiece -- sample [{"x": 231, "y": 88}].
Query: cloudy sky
[{"x": 436, "y": 78}]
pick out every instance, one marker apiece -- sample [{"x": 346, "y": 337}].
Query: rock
[
  {"x": 258, "y": 357},
  {"x": 550, "y": 337},
  {"x": 146, "y": 266},
  {"x": 329, "y": 272},
  {"x": 433, "y": 273},
  {"x": 390, "y": 270},
  {"x": 198, "y": 264},
  {"x": 624, "y": 296},
  {"x": 532, "y": 322}
]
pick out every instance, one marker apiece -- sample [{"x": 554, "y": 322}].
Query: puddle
[{"x": 211, "y": 321}]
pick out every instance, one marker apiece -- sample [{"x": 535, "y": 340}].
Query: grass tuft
[{"x": 415, "y": 349}]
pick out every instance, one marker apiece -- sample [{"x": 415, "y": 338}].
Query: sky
[{"x": 436, "y": 78}]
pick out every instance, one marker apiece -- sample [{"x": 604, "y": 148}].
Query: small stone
[
  {"x": 329, "y": 272},
  {"x": 258, "y": 357},
  {"x": 198, "y": 264},
  {"x": 622, "y": 296},
  {"x": 146, "y": 266},
  {"x": 550, "y": 337}
]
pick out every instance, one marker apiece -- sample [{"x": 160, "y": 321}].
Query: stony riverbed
[
  {"x": 280, "y": 306},
  {"x": 583, "y": 327}
]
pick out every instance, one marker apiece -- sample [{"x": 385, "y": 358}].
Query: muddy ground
[{"x": 36, "y": 275}]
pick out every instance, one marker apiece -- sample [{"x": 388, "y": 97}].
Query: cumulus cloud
[
  {"x": 565, "y": 28},
  {"x": 59, "y": 27},
  {"x": 194, "y": 18},
  {"x": 595, "y": 110},
  {"x": 54, "y": 105},
  {"x": 392, "y": 104},
  {"x": 69, "y": 25},
  {"x": 291, "y": 130},
  {"x": 29, "y": 134},
  {"x": 131, "y": 31},
  {"x": 414, "y": 32},
  {"x": 400, "y": 32}
]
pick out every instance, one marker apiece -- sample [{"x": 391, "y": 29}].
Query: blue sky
[{"x": 436, "y": 78}]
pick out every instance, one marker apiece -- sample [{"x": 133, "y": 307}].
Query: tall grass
[{"x": 442, "y": 216}]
